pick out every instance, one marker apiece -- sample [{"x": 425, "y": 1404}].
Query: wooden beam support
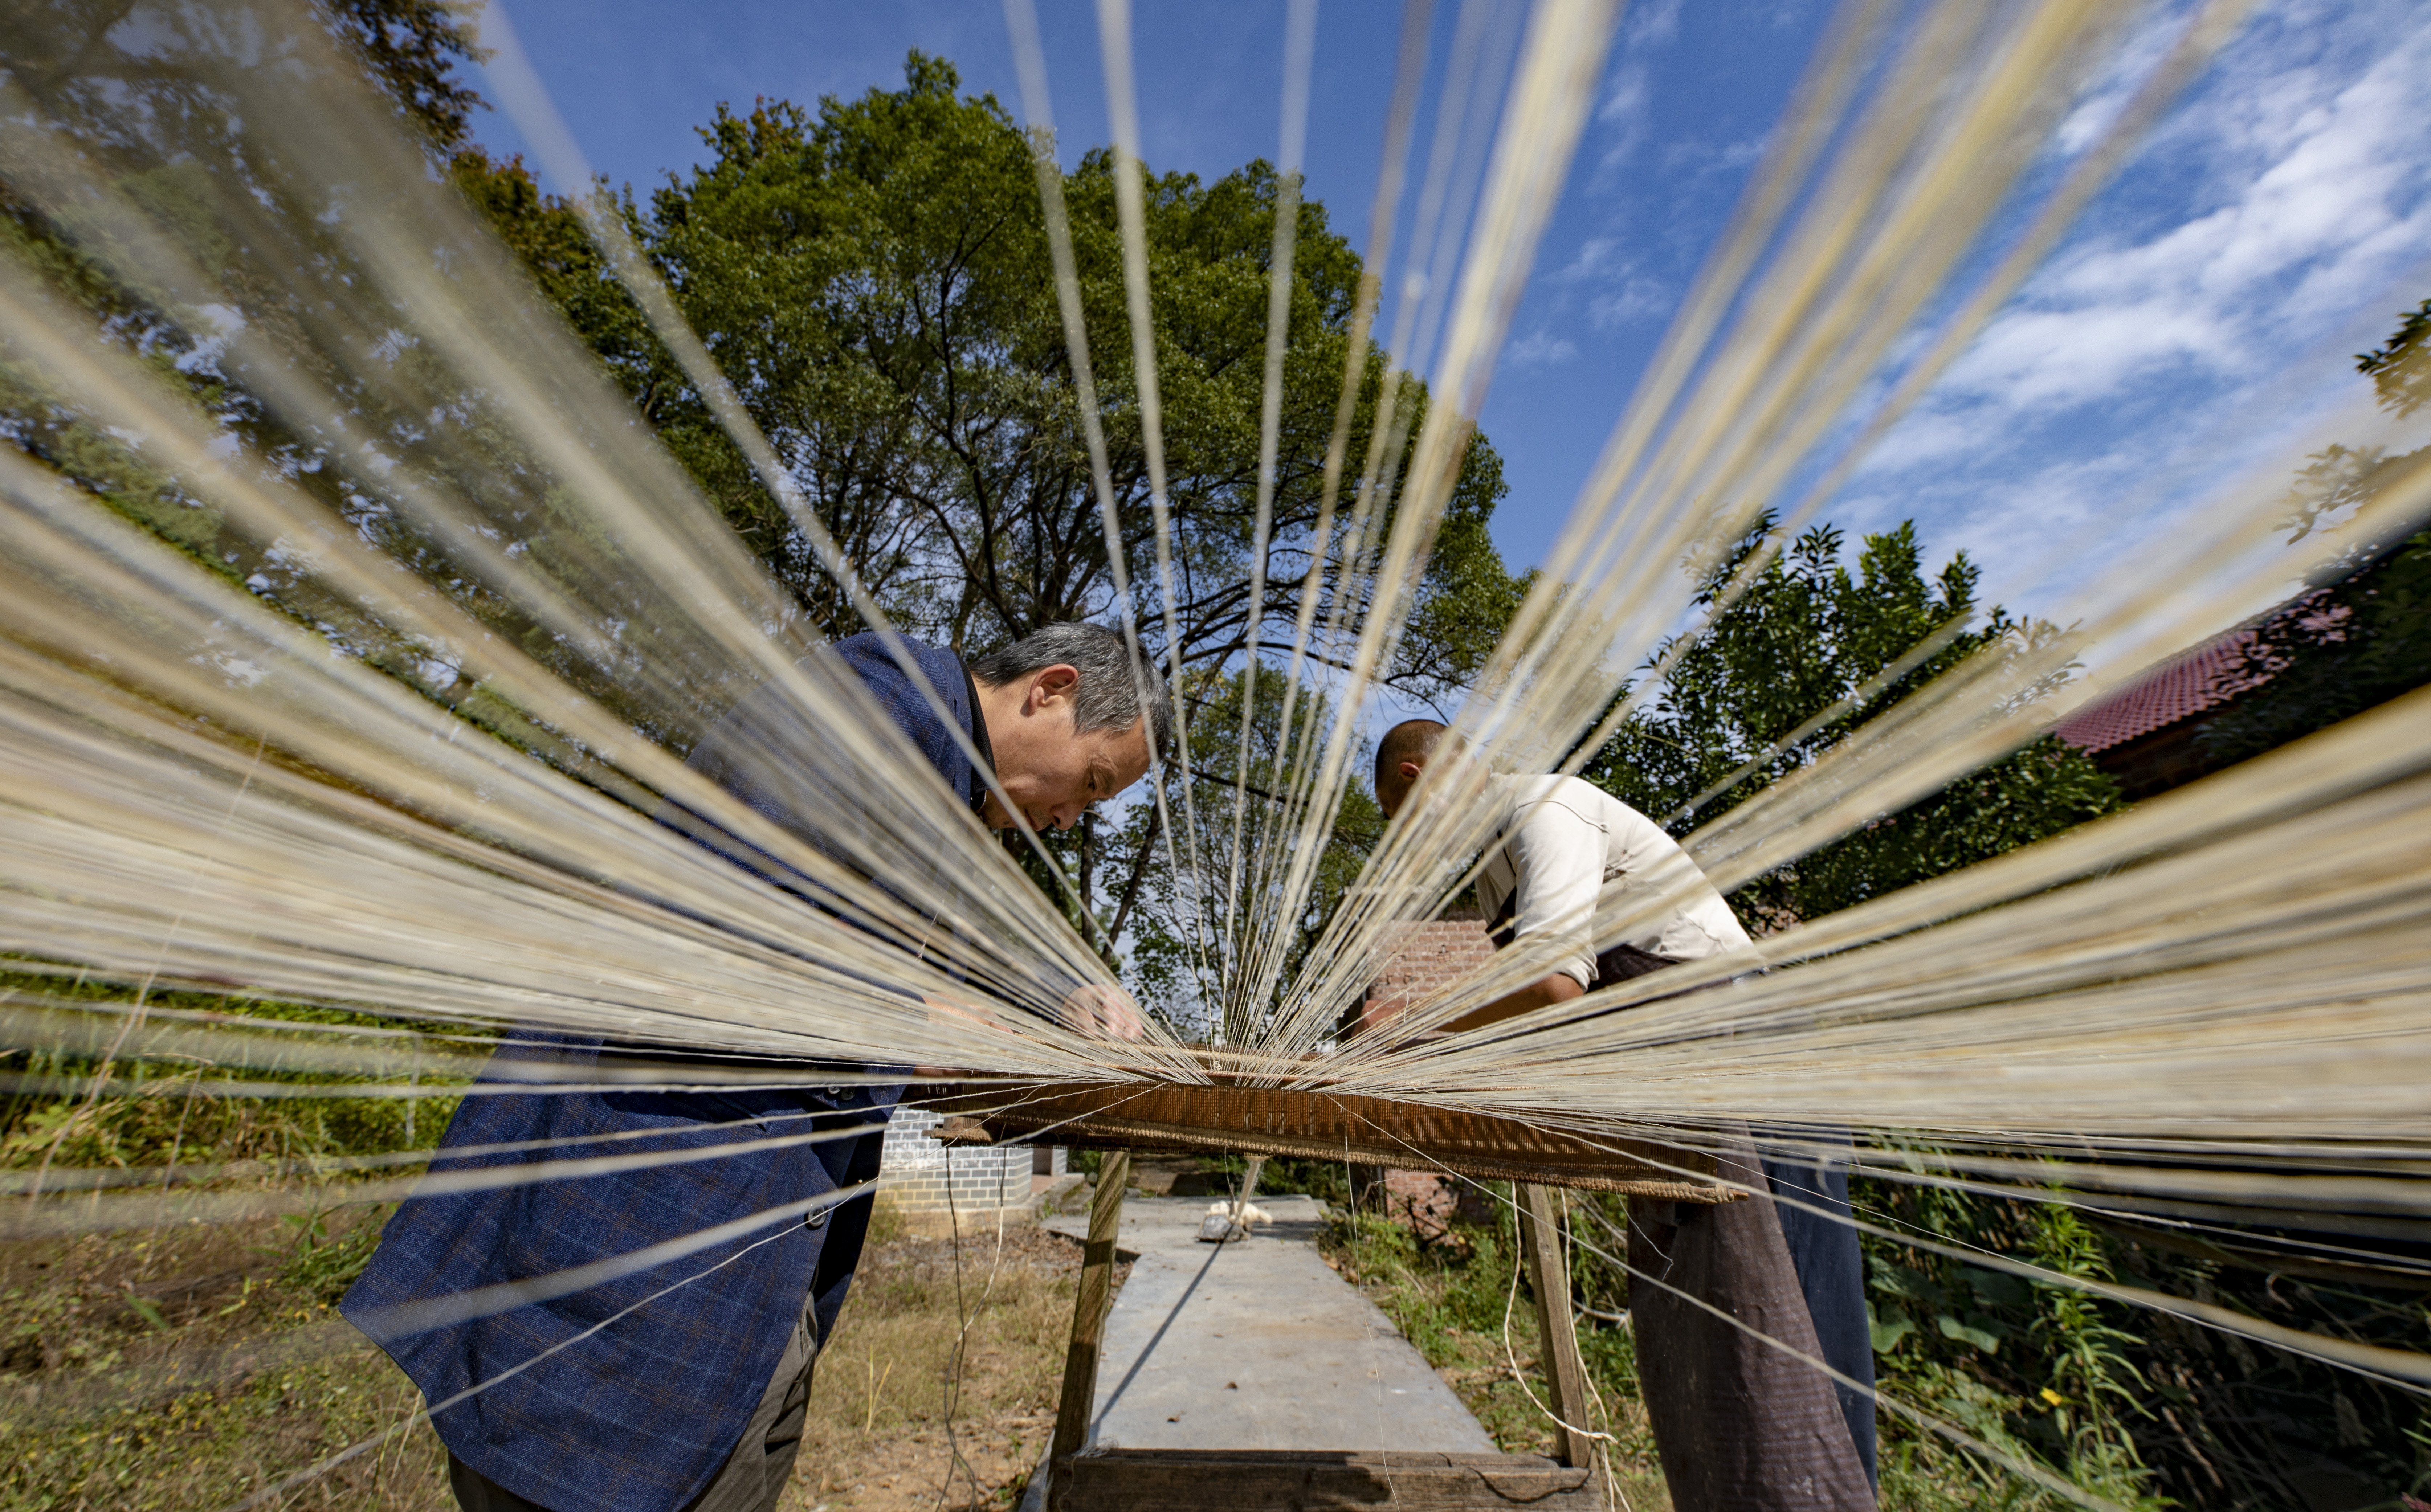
[
  {"x": 1557, "y": 1332},
  {"x": 1090, "y": 1300},
  {"x": 1322, "y": 1124}
]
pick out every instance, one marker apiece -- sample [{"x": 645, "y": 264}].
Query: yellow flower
[{"x": 2054, "y": 1398}]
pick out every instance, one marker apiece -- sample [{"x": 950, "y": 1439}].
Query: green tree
[
  {"x": 872, "y": 278},
  {"x": 158, "y": 204},
  {"x": 1181, "y": 921},
  {"x": 73, "y": 61},
  {"x": 1811, "y": 643},
  {"x": 1808, "y": 654},
  {"x": 2400, "y": 368},
  {"x": 2364, "y": 636},
  {"x": 2135, "y": 1406}
]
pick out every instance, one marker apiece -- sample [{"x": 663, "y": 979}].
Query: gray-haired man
[{"x": 684, "y": 1383}]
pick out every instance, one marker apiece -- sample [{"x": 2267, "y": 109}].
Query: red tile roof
[{"x": 2202, "y": 677}]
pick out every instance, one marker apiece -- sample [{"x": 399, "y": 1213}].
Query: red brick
[{"x": 1421, "y": 960}]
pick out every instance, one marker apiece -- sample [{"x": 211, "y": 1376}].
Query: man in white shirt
[{"x": 1742, "y": 1426}]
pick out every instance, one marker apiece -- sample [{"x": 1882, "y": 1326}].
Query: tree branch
[{"x": 1139, "y": 874}]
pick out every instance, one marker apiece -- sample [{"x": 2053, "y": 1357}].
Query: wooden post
[
  {"x": 1549, "y": 1273},
  {"x": 1089, "y": 1303}
]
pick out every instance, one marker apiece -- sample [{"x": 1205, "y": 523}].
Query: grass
[
  {"x": 192, "y": 1368},
  {"x": 194, "y": 1365},
  {"x": 197, "y": 1366},
  {"x": 189, "y": 1369},
  {"x": 1449, "y": 1296}
]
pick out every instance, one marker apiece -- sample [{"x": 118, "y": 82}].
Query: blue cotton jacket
[{"x": 637, "y": 1411}]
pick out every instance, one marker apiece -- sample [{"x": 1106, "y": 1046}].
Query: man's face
[
  {"x": 1051, "y": 771},
  {"x": 1394, "y": 790}
]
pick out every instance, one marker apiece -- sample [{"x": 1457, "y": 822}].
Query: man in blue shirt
[{"x": 680, "y": 1386}]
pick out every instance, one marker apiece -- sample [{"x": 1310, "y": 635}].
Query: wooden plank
[
  {"x": 1207, "y": 1480},
  {"x": 1557, "y": 1330},
  {"x": 1225, "y": 1118},
  {"x": 1090, "y": 1300}
]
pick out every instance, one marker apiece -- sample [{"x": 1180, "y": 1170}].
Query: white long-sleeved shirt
[{"x": 1560, "y": 841}]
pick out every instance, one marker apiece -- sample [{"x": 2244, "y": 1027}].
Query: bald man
[{"x": 1741, "y": 1424}]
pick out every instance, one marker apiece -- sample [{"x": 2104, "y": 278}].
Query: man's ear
[
  {"x": 1049, "y": 684},
  {"x": 1409, "y": 771}
]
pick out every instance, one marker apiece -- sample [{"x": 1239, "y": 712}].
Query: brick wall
[
  {"x": 1420, "y": 960},
  {"x": 926, "y": 1176},
  {"x": 1428, "y": 1201},
  {"x": 1423, "y": 958}
]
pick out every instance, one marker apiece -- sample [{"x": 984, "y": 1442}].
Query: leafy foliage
[
  {"x": 2043, "y": 1372},
  {"x": 320, "y": 1266},
  {"x": 2400, "y": 368},
  {"x": 1807, "y": 654},
  {"x": 2139, "y": 1407},
  {"x": 63, "y": 57},
  {"x": 412, "y": 49},
  {"x": 186, "y": 231},
  {"x": 2231, "y": 1424},
  {"x": 1811, "y": 650},
  {"x": 2364, "y": 636},
  {"x": 409, "y": 50},
  {"x": 2344, "y": 648},
  {"x": 870, "y": 274},
  {"x": 1182, "y": 912},
  {"x": 1464, "y": 1302}
]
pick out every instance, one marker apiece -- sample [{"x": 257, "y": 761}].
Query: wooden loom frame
[{"x": 1226, "y": 1118}]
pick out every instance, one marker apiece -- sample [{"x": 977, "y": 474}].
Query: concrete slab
[{"x": 1258, "y": 1345}]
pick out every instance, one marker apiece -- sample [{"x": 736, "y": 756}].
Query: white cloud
[
  {"x": 1627, "y": 112},
  {"x": 1594, "y": 259},
  {"x": 1650, "y": 24},
  {"x": 1713, "y": 156},
  {"x": 1635, "y": 299},
  {"x": 1628, "y": 108},
  {"x": 2308, "y": 198},
  {"x": 1624, "y": 294},
  {"x": 1924, "y": 437},
  {"x": 2130, "y": 63},
  {"x": 1540, "y": 348},
  {"x": 2195, "y": 327}
]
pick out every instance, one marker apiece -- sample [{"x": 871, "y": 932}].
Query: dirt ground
[{"x": 189, "y": 1370}]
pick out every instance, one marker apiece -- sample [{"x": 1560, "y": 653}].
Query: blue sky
[{"x": 2273, "y": 225}]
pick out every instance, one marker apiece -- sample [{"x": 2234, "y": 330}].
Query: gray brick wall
[{"x": 926, "y": 1176}]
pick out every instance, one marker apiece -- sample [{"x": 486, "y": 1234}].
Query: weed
[{"x": 320, "y": 1266}]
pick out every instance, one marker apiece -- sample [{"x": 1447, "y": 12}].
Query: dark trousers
[
  {"x": 1832, "y": 1275},
  {"x": 754, "y": 1474},
  {"x": 1742, "y": 1426}
]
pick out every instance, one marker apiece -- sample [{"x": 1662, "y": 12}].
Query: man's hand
[{"x": 1108, "y": 1012}]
